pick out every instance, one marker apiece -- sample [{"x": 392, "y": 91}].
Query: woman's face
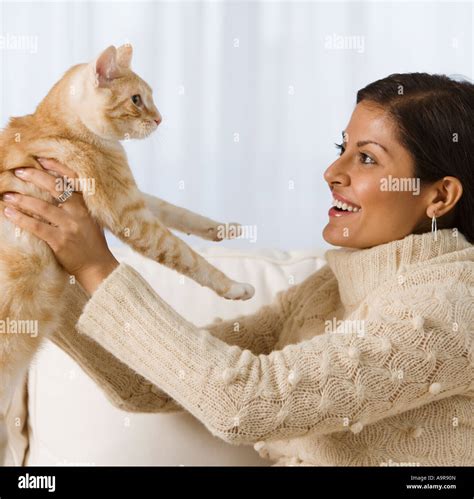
[{"x": 375, "y": 173}]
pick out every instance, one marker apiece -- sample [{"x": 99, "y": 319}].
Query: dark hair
[{"x": 434, "y": 115}]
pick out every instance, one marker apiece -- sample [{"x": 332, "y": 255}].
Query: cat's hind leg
[{"x": 31, "y": 287}]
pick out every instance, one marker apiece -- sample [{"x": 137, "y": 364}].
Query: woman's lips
[
  {"x": 340, "y": 213},
  {"x": 342, "y": 206},
  {"x": 338, "y": 197}
]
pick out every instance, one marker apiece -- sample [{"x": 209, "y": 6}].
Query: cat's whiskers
[
  {"x": 145, "y": 128},
  {"x": 161, "y": 134}
]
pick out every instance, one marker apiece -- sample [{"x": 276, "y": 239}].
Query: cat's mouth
[{"x": 146, "y": 128}]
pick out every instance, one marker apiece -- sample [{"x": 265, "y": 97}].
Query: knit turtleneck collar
[{"x": 360, "y": 271}]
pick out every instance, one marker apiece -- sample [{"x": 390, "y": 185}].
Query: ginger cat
[{"x": 80, "y": 123}]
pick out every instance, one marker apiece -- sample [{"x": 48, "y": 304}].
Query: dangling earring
[{"x": 434, "y": 226}]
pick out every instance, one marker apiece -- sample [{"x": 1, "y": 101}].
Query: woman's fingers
[
  {"x": 56, "y": 166},
  {"x": 43, "y": 209},
  {"x": 40, "y": 229},
  {"x": 54, "y": 185}
]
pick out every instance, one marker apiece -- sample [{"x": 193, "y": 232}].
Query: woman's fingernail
[
  {"x": 9, "y": 212},
  {"x": 19, "y": 172},
  {"x": 9, "y": 197},
  {"x": 44, "y": 162}
]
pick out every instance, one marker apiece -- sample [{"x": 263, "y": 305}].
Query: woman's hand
[{"x": 75, "y": 238}]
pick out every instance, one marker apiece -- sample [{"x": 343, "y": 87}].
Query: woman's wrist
[{"x": 91, "y": 277}]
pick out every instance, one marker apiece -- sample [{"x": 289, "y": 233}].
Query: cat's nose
[{"x": 157, "y": 119}]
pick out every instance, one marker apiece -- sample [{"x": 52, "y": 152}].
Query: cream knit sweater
[{"x": 369, "y": 361}]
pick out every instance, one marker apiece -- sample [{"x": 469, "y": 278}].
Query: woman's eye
[
  {"x": 365, "y": 157},
  {"x": 137, "y": 100}
]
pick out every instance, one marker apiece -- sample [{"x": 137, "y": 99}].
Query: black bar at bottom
[{"x": 450, "y": 482}]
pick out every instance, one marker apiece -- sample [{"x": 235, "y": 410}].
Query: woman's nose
[{"x": 337, "y": 173}]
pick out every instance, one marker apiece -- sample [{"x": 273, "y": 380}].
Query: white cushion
[{"x": 71, "y": 422}]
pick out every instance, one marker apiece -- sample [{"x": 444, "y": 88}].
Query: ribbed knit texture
[{"x": 396, "y": 387}]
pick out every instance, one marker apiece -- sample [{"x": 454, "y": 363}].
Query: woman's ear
[
  {"x": 445, "y": 194},
  {"x": 124, "y": 55},
  {"x": 106, "y": 67}
]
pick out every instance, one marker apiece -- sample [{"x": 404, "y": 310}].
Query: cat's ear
[
  {"x": 124, "y": 55},
  {"x": 106, "y": 67}
]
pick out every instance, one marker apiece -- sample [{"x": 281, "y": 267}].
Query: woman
[{"x": 392, "y": 383}]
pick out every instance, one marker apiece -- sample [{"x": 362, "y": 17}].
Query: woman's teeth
[{"x": 345, "y": 206}]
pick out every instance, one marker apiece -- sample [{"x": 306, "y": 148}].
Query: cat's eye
[{"x": 137, "y": 100}]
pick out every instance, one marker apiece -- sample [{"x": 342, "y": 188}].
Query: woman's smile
[
  {"x": 336, "y": 212},
  {"x": 342, "y": 207}
]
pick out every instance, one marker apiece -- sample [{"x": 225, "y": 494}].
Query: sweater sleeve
[
  {"x": 130, "y": 391},
  {"x": 397, "y": 359},
  {"x": 123, "y": 387}
]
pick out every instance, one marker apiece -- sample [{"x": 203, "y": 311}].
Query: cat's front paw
[
  {"x": 240, "y": 291},
  {"x": 223, "y": 231}
]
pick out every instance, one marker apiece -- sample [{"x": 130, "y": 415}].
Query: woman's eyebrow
[{"x": 364, "y": 142}]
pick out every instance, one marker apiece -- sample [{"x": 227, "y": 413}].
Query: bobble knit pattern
[{"x": 368, "y": 362}]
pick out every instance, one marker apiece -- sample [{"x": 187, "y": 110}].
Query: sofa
[{"x": 61, "y": 418}]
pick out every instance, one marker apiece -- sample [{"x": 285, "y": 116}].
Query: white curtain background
[{"x": 253, "y": 94}]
